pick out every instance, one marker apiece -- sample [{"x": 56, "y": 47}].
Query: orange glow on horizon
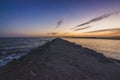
[{"x": 101, "y": 33}]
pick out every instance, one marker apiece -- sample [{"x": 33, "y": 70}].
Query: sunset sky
[{"x": 39, "y": 18}]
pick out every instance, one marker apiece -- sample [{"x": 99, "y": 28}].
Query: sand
[{"x": 62, "y": 60}]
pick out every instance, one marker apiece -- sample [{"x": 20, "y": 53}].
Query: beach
[{"x": 62, "y": 60}]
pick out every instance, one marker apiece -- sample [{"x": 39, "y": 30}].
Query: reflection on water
[{"x": 110, "y": 48}]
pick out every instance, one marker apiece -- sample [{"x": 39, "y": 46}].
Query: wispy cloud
[
  {"x": 59, "y": 23},
  {"x": 52, "y": 33},
  {"x": 82, "y": 28},
  {"x": 95, "y": 20},
  {"x": 115, "y": 30}
]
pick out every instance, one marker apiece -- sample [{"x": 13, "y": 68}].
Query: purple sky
[{"x": 38, "y": 17}]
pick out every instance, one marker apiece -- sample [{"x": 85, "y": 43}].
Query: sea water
[
  {"x": 109, "y": 47},
  {"x": 14, "y": 48}
]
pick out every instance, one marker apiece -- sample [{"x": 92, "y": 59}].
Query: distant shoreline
[{"x": 116, "y": 38}]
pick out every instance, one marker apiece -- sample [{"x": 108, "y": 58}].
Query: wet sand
[{"x": 62, "y": 60}]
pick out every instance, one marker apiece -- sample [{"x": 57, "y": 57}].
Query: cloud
[
  {"x": 52, "y": 33},
  {"x": 106, "y": 32},
  {"x": 115, "y": 30},
  {"x": 113, "y": 33},
  {"x": 59, "y": 23},
  {"x": 97, "y": 19},
  {"x": 82, "y": 28}
]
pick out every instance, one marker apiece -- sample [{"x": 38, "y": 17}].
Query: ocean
[
  {"x": 109, "y": 47},
  {"x": 14, "y": 48}
]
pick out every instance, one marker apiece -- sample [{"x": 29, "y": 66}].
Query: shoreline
[
  {"x": 62, "y": 60},
  {"x": 109, "y": 38}
]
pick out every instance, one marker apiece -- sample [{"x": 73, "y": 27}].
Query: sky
[{"x": 41, "y": 18}]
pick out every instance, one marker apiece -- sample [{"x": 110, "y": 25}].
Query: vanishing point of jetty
[{"x": 62, "y": 60}]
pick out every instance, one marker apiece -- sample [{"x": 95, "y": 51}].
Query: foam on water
[{"x": 14, "y": 48}]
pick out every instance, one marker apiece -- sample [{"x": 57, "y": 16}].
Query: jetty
[{"x": 62, "y": 60}]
